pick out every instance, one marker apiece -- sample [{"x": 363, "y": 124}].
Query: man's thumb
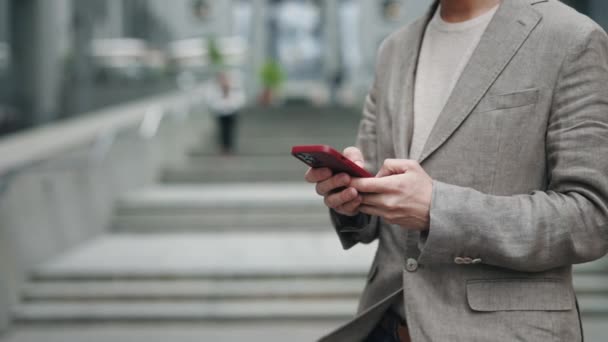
[{"x": 354, "y": 155}]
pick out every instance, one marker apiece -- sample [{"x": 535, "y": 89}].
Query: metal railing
[{"x": 58, "y": 183}]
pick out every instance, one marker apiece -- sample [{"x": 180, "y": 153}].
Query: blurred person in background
[
  {"x": 487, "y": 126},
  {"x": 226, "y": 98}
]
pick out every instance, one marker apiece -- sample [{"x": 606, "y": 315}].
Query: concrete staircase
[
  {"x": 229, "y": 239},
  {"x": 222, "y": 207},
  {"x": 202, "y": 277},
  {"x": 220, "y": 239},
  {"x": 591, "y": 285}
]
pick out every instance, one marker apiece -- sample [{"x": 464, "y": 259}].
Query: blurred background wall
[{"x": 60, "y": 58}]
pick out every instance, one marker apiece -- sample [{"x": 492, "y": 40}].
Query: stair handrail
[{"x": 24, "y": 150}]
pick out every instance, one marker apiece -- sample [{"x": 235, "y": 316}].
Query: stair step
[
  {"x": 241, "y": 288},
  {"x": 318, "y": 221},
  {"x": 244, "y": 164},
  {"x": 177, "y": 175},
  {"x": 212, "y": 310},
  {"x": 182, "y": 198},
  {"x": 204, "y": 289},
  {"x": 209, "y": 256},
  {"x": 273, "y": 131},
  {"x": 591, "y": 284},
  {"x": 594, "y": 305},
  {"x": 216, "y": 207},
  {"x": 239, "y": 169},
  {"x": 243, "y": 310},
  {"x": 597, "y": 266}
]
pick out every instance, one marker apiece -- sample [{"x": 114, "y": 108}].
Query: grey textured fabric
[{"x": 519, "y": 158}]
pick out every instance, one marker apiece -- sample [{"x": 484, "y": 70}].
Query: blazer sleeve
[
  {"x": 363, "y": 228},
  {"x": 565, "y": 225}
]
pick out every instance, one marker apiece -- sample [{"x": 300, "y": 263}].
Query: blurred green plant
[
  {"x": 215, "y": 55},
  {"x": 272, "y": 75}
]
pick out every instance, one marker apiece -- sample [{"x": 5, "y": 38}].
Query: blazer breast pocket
[
  {"x": 519, "y": 295},
  {"x": 509, "y": 100}
]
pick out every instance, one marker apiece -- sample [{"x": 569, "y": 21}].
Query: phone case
[{"x": 319, "y": 156}]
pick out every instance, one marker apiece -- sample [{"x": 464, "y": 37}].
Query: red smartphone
[{"x": 319, "y": 156}]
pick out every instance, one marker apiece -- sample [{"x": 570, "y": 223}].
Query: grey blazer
[{"x": 519, "y": 159}]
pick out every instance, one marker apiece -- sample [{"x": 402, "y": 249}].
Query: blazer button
[
  {"x": 467, "y": 261},
  {"x": 411, "y": 265},
  {"x": 459, "y": 261}
]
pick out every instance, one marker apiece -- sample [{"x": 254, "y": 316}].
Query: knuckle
[
  {"x": 412, "y": 163},
  {"x": 346, "y": 196},
  {"x": 392, "y": 204},
  {"x": 315, "y": 176},
  {"x": 335, "y": 182},
  {"x": 332, "y": 202},
  {"x": 339, "y": 181},
  {"x": 319, "y": 189}
]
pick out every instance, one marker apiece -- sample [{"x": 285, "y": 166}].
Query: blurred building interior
[
  {"x": 118, "y": 213},
  {"x": 62, "y": 58}
]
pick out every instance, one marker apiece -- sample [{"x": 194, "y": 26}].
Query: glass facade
[
  {"x": 87, "y": 54},
  {"x": 298, "y": 39}
]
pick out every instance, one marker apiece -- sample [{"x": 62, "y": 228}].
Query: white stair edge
[
  {"x": 593, "y": 305},
  {"x": 266, "y": 288},
  {"x": 209, "y": 255},
  {"x": 193, "y": 310},
  {"x": 222, "y": 195}
]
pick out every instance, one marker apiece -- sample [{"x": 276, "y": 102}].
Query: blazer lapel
[{"x": 506, "y": 33}]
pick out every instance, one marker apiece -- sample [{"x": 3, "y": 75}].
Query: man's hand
[
  {"x": 336, "y": 189},
  {"x": 401, "y": 194}
]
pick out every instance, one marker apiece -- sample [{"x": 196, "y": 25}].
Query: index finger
[
  {"x": 317, "y": 175},
  {"x": 371, "y": 185}
]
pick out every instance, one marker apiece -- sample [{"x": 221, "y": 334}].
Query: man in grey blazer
[{"x": 479, "y": 230}]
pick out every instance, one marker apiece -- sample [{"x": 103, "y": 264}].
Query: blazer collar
[{"x": 506, "y": 33}]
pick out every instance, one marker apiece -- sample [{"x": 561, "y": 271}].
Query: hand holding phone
[{"x": 333, "y": 175}]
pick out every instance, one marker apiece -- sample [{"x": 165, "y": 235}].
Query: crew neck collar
[{"x": 438, "y": 23}]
